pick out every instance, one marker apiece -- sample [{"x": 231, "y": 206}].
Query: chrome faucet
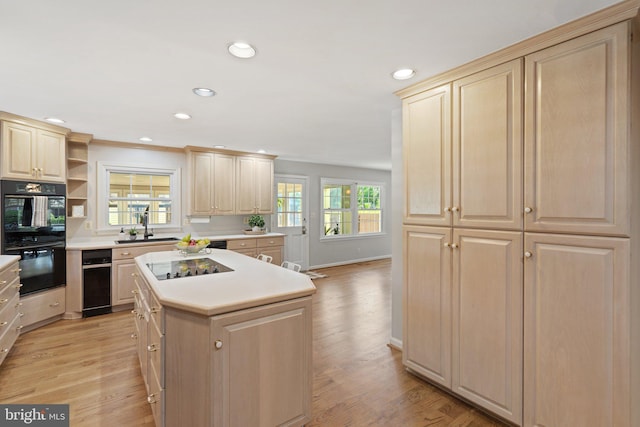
[{"x": 145, "y": 222}]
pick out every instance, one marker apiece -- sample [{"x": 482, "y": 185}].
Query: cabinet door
[
  {"x": 49, "y": 155},
  {"x": 201, "y": 183},
  {"x": 427, "y": 302},
  {"x": 426, "y": 147},
  {"x": 487, "y": 148},
  {"x": 17, "y": 144},
  {"x": 224, "y": 184},
  {"x": 122, "y": 282},
  {"x": 487, "y": 320},
  {"x": 245, "y": 185},
  {"x": 576, "y": 331},
  {"x": 262, "y": 369},
  {"x": 264, "y": 186},
  {"x": 577, "y": 134}
]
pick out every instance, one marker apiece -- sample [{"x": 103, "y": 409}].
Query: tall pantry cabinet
[{"x": 521, "y": 273}]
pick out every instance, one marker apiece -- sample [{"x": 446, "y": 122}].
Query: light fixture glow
[
  {"x": 403, "y": 74},
  {"x": 54, "y": 120},
  {"x": 204, "y": 91},
  {"x": 262, "y": 151},
  {"x": 219, "y": 146},
  {"x": 146, "y": 139},
  {"x": 182, "y": 116},
  {"x": 242, "y": 50}
]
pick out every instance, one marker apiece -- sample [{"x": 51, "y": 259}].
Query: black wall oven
[{"x": 33, "y": 227}]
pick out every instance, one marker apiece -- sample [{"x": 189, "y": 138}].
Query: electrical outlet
[
  {"x": 185, "y": 221},
  {"x": 245, "y": 220},
  {"x": 87, "y": 225}
]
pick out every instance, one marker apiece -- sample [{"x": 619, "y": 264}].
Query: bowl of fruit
[{"x": 191, "y": 246}]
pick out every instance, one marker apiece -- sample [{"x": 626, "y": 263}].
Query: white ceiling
[{"x": 319, "y": 89}]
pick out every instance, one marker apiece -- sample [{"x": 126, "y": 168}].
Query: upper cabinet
[
  {"x": 254, "y": 185},
  {"x": 212, "y": 183},
  {"x": 470, "y": 177},
  {"x": 229, "y": 183},
  {"x": 577, "y": 133},
  {"x": 32, "y": 151}
]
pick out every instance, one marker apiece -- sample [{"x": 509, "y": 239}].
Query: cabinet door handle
[
  {"x": 154, "y": 309},
  {"x": 18, "y": 286},
  {"x": 3, "y": 300},
  {"x": 454, "y": 246},
  {"x": 16, "y": 270},
  {"x": 152, "y": 348},
  {"x": 135, "y": 291},
  {"x": 2, "y": 324},
  {"x": 55, "y": 304},
  {"x": 151, "y": 398},
  {"x": 447, "y": 209},
  {"x": 134, "y": 336},
  {"x": 218, "y": 344},
  {"x": 134, "y": 274},
  {"x": 3, "y": 282},
  {"x": 4, "y": 350},
  {"x": 528, "y": 209},
  {"x": 528, "y": 254},
  {"x": 455, "y": 209},
  {"x": 19, "y": 327},
  {"x": 447, "y": 244},
  {"x": 125, "y": 253}
]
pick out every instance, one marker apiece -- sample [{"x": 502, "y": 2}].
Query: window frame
[
  {"x": 354, "y": 184},
  {"x": 104, "y": 170}
]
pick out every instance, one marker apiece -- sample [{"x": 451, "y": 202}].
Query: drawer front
[
  {"x": 9, "y": 274},
  {"x": 8, "y": 311},
  {"x": 155, "y": 350},
  {"x": 248, "y": 252},
  {"x": 42, "y": 306},
  {"x": 156, "y": 399},
  {"x": 268, "y": 242},
  {"x": 129, "y": 252},
  {"x": 8, "y": 292},
  {"x": 9, "y": 337},
  {"x": 157, "y": 312},
  {"x": 234, "y": 245}
]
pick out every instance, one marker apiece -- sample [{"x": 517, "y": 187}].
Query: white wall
[
  {"x": 324, "y": 253},
  {"x": 320, "y": 253}
]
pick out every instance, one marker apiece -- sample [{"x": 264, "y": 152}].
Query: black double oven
[{"x": 33, "y": 227}]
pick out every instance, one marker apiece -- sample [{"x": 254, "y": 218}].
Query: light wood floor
[{"x": 91, "y": 364}]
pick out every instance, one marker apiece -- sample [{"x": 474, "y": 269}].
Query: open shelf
[{"x": 77, "y": 172}]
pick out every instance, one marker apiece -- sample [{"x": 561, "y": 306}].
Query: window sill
[{"x": 351, "y": 237}]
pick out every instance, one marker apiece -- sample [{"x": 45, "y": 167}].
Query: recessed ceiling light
[
  {"x": 242, "y": 50},
  {"x": 261, "y": 151},
  {"x": 219, "y": 146},
  {"x": 403, "y": 74},
  {"x": 146, "y": 139},
  {"x": 203, "y": 91},
  {"x": 54, "y": 120},
  {"x": 182, "y": 116}
]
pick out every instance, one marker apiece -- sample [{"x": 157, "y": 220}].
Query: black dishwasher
[{"x": 96, "y": 282}]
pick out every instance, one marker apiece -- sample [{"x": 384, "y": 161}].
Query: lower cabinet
[
  {"x": 10, "y": 308},
  {"x": 578, "y": 363},
  {"x": 243, "y": 368},
  {"x": 463, "y": 313},
  {"x": 42, "y": 307}
]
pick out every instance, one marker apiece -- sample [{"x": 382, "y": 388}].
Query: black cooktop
[{"x": 186, "y": 268}]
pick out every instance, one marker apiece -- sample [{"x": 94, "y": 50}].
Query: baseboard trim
[
  {"x": 352, "y": 261},
  {"x": 395, "y": 343}
]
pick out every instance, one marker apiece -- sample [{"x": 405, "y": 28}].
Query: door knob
[
  {"x": 528, "y": 254},
  {"x": 528, "y": 209}
]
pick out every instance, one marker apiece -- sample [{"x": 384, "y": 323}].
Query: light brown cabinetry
[
  {"x": 254, "y": 185},
  {"x": 258, "y": 363},
  {"x": 123, "y": 267},
  {"x": 577, "y": 310},
  {"x": 213, "y": 183},
  {"x": 32, "y": 153},
  {"x": 77, "y": 172},
  {"x": 268, "y": 245},
  {"x": 10, "y": 308},
  {"x": 42, "y": 307},
  {"x": 463, "y": 321},
  {"x": 471, "y": 177},
  {"x": 578, "y": 333},
  {"x": 229, "y": 182},
  {"x": 577, "y": 139}
]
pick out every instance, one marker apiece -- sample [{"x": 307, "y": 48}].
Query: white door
[{"x": 290, "y": 218}]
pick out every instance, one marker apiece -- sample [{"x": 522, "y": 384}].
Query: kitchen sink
[{"x": 150, "y": 239}]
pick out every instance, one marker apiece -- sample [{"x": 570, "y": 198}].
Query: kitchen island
[{"x": 228, "y": 342}]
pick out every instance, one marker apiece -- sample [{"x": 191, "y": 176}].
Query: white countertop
[
  {"x": 252, "y": 283},
  {"x": 105, "y": 242}
]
